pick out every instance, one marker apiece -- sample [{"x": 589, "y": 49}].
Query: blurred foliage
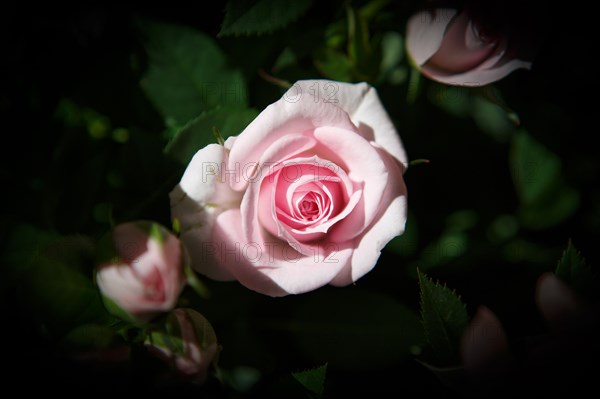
[
  {"x": 105, "y": 105},
  {"x": 262, "y": 16}
]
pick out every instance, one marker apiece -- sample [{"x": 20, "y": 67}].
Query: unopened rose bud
[
  {"x": 141, "y": 271},
  {"x": 461, "y": 48},
  {"x": 190, "y": 345}
]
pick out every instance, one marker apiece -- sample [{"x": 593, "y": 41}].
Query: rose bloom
[
  {"x": 193, "y": 348},
  {"x": 459, "y": 49},
  {"x": 307, "y": 195},
  {"x": 143, "y": 272}
]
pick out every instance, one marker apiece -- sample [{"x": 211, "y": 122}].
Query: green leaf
[
  {"x": 545, "y": 198},
  {"x": 455, "y": 100},
  {"x": 89, "y": 336},
  {"x": 414, "y": 86},
  {"x": 313, "y": 380},
  {"x": 194, "y": 282},
  {"x": 365, "y": 53},
  {"x": 198, "y": 132},
  {"x": 492, "y": 119},
  {"x": 491, "y": 94},
  {"x": 203, "y": 332},
  {"x": 286, "y": 58},
  {"x": 334, "y": 65},
  {"x": 373, "y": 8},
  {"x": 187, "y": 73},
  {"x": 261, "y": 16},
  {"x": 573, "y": 269},
  {"x": 241, "y": 378},
  {"x": 392, "y": 49},
  {"x": 62, "y": 296},
  {"x": 52, "y": 276},
  {"x": 375, "y": 331},
  {"x": 183, "y": 327},
  {"x": 534, "y": 168},
  {"x": 158, "y": 233},
  {"x": 461, "y": 221},
  {"x": 444, "y": 319},
  {"x": 449, "y": 246},
  {"x": 23, "y": 247},
  {"x": 117, "y": 311}
]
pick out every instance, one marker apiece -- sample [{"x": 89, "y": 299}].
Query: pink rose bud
[
  {"x": 558, "y": 303},
  {"x": 457, "y": 48},
  {"x": 484, "y": 346},
  {"x": 190, "y": 346},
  {"x": 307, "y": 195},
  {"x": 143, "y": 274}
]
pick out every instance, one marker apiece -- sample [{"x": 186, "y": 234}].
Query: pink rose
[
  {"x": 191, "y": 347},
  {"x": 307, "y": 195},
  {"x": 456, "y": 49},
  {"x": 143, "y": 273}
]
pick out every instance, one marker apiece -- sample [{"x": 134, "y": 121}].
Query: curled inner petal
[
  {"x": 303, "y": 198},
  {"x": 154, "y": 286},
  {"x": 464, "y": 47},
  {"x": 309, "y": 206}
]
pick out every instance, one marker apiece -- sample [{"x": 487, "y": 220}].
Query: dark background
[{"x": 92, "y": 55}]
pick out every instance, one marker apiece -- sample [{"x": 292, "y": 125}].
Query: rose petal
[
  {"x": 425, "y": 32},
  {"x": 130, "y": 241},
  {"x": 480, "y": 77},
  {"x": 317, "y": 175},
  {"x": 460, "y": 49},
  {"x": 202, "y": 247},
  {"x": 362, "y": 103},
  {"x": 272, "y": 267},
  {"x": 206, "y": 178},
  {"x": 389, "y": 223},
  {"x": 122, "y": 285},
  {"x": 365, "y": 168},
  {"x": 200, "y": 197},
  {"x": 498, "y": 65},
  {"x": 289, "y": 115},
  {"x": 307, "y": 273},
  {"x": 251, "y": 203}
]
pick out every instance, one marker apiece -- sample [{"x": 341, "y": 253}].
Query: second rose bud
[{"x": 140, "y": 272}]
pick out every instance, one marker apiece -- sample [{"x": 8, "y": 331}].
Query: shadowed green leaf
[
  {"x": 365, "y": 52},
  {"x": 193, "y": 281},
  {"x": 187, "y": 73},
  {"x": 375, "y": 331},
  {"x": 117, "y": 311},
  {"x": 313, "y": 380},
  {"x": 334, "y": 65},
  {"x": 444, "y": 319},
  {"x": 456, "y": 100},
  {"x": 63, "y": 296},
  {"x": 198, "y": 133},
  {"x": 545, "y": 198},
  {"x": 492, "y": 119},
  {"x": 573, "y": 269},
  {"x": 261, "y": 16},
  {"x": 392, "y": 51},
  {"x": 89, "y": 336},
  {"x": 52, "y": 277}
]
